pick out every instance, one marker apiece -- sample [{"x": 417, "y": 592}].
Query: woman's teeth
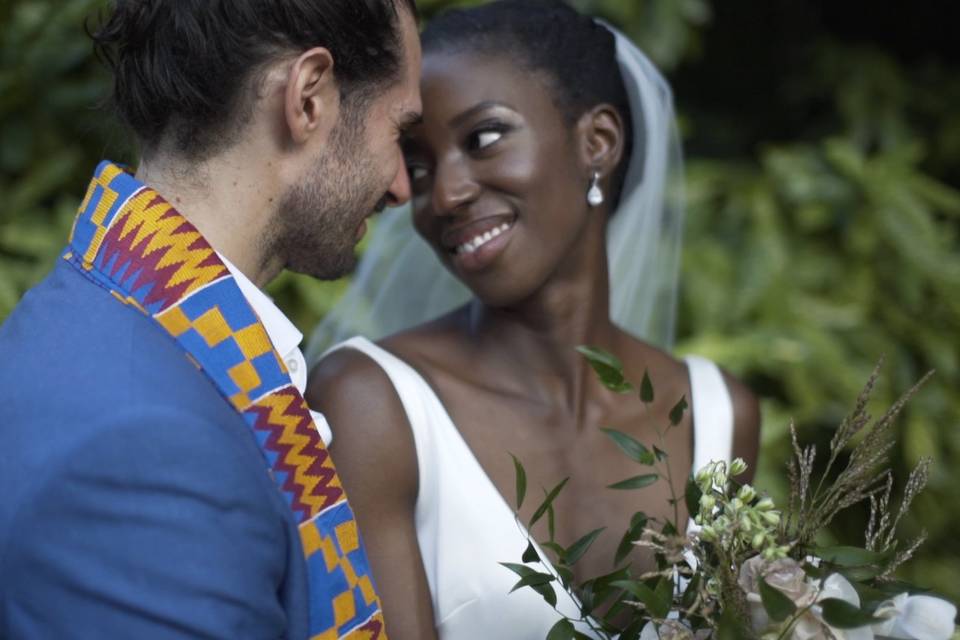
[{"x": 472, "y": 245}]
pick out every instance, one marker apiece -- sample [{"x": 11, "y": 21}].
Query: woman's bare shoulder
[
  {"x": 430, "y": 344},
  {"x": 366, "y": 415}
]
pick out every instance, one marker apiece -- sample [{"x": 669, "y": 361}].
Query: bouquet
[{"x": 747, "y": 568}]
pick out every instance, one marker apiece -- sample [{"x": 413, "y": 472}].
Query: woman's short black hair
[
  {"x": 576, "y": 54},
  {"x": 185, "y": 70}
]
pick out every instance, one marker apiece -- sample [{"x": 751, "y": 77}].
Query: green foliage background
[{"x": 821, "y": 234}]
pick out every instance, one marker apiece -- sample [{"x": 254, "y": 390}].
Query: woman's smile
[{"x": 479, "y": 244}]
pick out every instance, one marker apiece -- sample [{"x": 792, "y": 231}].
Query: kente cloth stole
[{"x": 132, "y": 242}]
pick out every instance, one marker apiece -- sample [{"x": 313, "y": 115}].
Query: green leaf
[
  {"x": 586, "y": 595},
  {"x": 636, "y": 482},
  {"x": 692, "y": 495},
  {"x": 563, "y": 630},
  {"x": 521, "y": 480},
  {"x": 547, "y": 592},
  {"x": 531, "y": 555},
  {"x": 843, "y": 615},
  {"x": 551, "y": 523},
  {"x": 646, "y": 388},
  {"x": 850, "y": 556},
  {"x": 608, "y": 369},
  {"x": 534, "y": 579},
  {"x": 664, "y": 591},
  {"x": 578, "y": 548},
  {"x": 519, "y": 569},
  {"x": 604, "y": 582},
  {"x": 660, "y": 453},
  {"x": 547, "y": 503},
  {"x": 690, "y": 593},
  {"x": 633, "y": 631},
  {"x": 632, "y": 534},
  {"x": 630, "y": 446},
  {"x": 657, "y": 606},
  {"x": 566, "y": 575},
  {"x": 862, "y": 574},
  {"x": 676, "y": 414},
  {"x": 778, "y": 606},
  {"x": 730, "y": 627}
]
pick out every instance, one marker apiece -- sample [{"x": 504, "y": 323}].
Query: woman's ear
[
  {"x": 312, "y": 98},
  {"x": 601, "y": 135}
]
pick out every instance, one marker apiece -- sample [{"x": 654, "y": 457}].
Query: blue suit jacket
[{"x": 134, "y": 501}]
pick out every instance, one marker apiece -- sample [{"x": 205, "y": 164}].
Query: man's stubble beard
[{"x": 317, "y": 220}]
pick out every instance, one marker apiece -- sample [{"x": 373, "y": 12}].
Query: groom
[{"x": 162, "y": 476}]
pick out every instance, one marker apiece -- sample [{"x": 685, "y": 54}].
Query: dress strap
[{"x": 712, "y": 413}]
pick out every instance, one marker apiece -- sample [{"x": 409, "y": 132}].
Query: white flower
[
  {"x": 916, "y": 618},
  {"x": 737, "y": 467},
  {"x": 787, "y": 577},
  {"x": 812, "y": 625},
  {"x": 707, "y": 502},
  {"x": 672, "y": 630},
  {"x": 747, "y": 493}
]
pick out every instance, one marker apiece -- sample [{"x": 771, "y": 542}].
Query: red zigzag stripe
[
  {"x": 126, "y": 253},
  {"x": 329, "y": 494}
]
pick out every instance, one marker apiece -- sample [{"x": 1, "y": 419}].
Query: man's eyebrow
[{"x": 410, "y": 119}]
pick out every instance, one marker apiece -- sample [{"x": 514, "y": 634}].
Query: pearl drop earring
[{"x": 595, "y": 194}]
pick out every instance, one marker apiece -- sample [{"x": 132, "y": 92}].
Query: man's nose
[{"x": 399, "y": 191}]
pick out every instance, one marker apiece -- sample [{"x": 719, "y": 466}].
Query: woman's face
[{"x": 499, "y": 189}]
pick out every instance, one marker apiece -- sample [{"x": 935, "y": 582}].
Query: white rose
[
  {"x": 909, "y": 617},
  {"x": 785, "y": 575}
]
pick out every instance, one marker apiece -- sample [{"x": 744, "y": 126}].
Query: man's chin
[{"x": 327, "y": 269}]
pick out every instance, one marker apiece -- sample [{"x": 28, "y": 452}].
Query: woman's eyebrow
[{"x": 458, "y": 119}]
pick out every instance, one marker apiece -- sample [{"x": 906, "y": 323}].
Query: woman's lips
[
  {"x": 480, "y": 250},
  {"x": 474, "y": 233}
]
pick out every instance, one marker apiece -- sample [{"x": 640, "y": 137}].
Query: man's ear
[
  {"x": 312, "y": 100},
  {"x": 601, "y": 137}
]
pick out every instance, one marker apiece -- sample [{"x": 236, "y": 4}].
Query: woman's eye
[
  {"x": 487, "y": 138},
  {"x": 417, "y": 172},
  {"x": 483, "y": 138}
]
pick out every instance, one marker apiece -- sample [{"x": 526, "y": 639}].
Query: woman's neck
[{"x": 538, "y": 338}]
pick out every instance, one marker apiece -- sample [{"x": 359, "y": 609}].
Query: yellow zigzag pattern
[
  {"x": 278, "y": 405},
  {"x": 143, "y": 215},
  {"x": 108, "y": 198}
]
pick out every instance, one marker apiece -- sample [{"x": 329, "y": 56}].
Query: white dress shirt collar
[{"x": 283, "y": 334}]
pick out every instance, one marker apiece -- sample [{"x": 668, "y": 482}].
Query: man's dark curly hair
[{"x": 185, "y": 71}]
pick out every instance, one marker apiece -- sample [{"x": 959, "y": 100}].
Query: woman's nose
[{"x": 454, "y": 186}]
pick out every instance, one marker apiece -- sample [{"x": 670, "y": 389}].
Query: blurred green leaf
[
  {"x": 778, "y": 606},
  {"x": 521, "y": 480},
  {"x": 547, "y": 503},
  {"x": 631, "y": 446},
  {"x": 843, "y": 615},
  {"x": 636, "y": 482},
  {"x": 580, "y": 547},
  {"x": 608, "y": 368}
]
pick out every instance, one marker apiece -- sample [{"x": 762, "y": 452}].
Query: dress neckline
[{"x": 365, "y": 345}]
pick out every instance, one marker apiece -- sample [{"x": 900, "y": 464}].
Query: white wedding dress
[{"x": 465, "y": 528}]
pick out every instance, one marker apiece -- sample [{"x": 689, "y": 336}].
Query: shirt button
[{"x": 292, "y": 365}]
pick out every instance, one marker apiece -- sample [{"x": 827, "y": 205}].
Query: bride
[{"x": 540, "y": 181}]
